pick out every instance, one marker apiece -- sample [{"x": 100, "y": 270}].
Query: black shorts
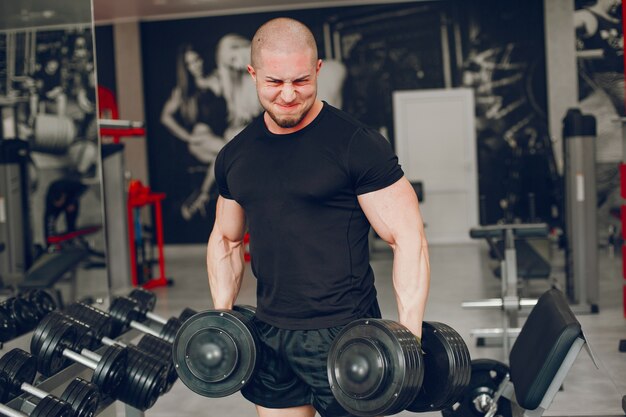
[{"x": 291, "y": 368}]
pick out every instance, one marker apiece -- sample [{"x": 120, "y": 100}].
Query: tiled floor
[{"x": 458, "y": 273}]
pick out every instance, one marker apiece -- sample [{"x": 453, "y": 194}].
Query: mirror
[{"x": 51, "y": 215}]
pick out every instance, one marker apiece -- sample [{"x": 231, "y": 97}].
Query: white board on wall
[{"x": 435, "y": 140}]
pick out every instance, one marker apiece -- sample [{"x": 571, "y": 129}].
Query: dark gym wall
[
  {"x": 105, "y": 57},
  {"x": 383, "y": 48}
]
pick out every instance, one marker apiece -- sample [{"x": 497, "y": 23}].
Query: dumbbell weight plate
[
  {"x": 22, "y": 312},
  {"x": 160, "y": 349},
  {"x": 111, "y": 370},
  {"x": 373, "y": 368},
  {"x": 17, "y": 367},
  {"x": 100, "y": 321},
  {"x": 8, "y": 330},
  {"x": 186, "y": 314},
  {"x": 446, "y": 369},
  {"x": 52, "y": 407},
  {"x": 43, "y": 302},
  {"x": 50, "y": 359},
  {"x": 485, "y": 379},
  {"x": 144, "y": 297},
  {"x": 145, "y": 380},
  {"x": 215, "y": 352},
  {"x": 123, "y": 311},
  {"x": 169, "y": 329},
  {"x": 247, "y": 310},
  {"x": 83, "y": 396}
]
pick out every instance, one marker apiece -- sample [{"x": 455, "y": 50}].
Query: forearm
[
  {"x": 225, "y": 269},
  {"x": 411, "y": 279}
]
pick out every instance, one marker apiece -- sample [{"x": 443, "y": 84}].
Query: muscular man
[{"x": 309, "y": 180}]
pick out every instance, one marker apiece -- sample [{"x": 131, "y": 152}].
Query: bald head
[{"x": 282, "y": 35}]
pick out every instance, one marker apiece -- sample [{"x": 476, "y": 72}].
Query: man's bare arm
[
  {"x": 394, "y": 214},
  {"x": 225, "y": 253}
]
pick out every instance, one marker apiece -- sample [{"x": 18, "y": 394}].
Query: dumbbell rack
[{"x": 57, "y": 382}]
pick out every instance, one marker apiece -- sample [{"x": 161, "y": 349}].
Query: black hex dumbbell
[
  {"x": 22, "y": 312},
  {"x": 17, "y": 373}
]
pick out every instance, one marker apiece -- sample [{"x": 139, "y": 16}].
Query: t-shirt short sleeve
[
  {"x": 220, "y": 175},
  {"x": 371, "y": 161}
]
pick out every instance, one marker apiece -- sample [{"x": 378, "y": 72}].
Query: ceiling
[{"x": 106, "y": 11}]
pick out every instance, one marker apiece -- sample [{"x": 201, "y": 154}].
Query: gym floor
[{"x": 458, "y": 273}]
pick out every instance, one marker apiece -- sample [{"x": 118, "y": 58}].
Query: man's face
[{"x": 286, "y": 84}]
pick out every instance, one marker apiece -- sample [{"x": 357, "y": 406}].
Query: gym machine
[
  {"x": 510, "y": 301},
  {"x": 15, "y": 226}
]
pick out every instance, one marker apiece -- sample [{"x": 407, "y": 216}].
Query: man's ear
[
  {"x": 252, "y": 72},
  {"x": 318, "y": 66}
]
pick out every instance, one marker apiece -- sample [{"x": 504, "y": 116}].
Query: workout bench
[
  {"x": 51, "y": 267},
  {"x": 512, "y": 268},
  {"x": 545, "y": 350}
]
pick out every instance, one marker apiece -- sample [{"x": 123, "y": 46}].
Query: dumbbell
[
  {"x": 100, "y": 321},
  {"x": 23, "y": 314},
  {"x": 144, "y": 297},
  {"x": 41, "y": 301},
  {"x": 162, "y": 357},
  {"x": 130, "y": 313},
  {"x": 47, "y": 407},
  {"x": 8, "y": 330},
  {"x": 130, "y": 377},
  {"x": 215, "y": 351},
  {"x": 17, "y": 373},
  {"x": 378, "y": 367}
]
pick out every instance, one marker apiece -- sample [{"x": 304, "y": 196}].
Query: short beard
[{"x": 287, "y": 123}]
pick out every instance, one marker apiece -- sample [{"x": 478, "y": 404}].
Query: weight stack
[{"x": 581, "y": 253}]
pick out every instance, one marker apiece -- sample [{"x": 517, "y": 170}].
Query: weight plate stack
[
  {"x": 485, "y": 379},
  {"x": 22, "y": 312},
  {"x": 16, "y": 367},
  {"x": 169, "y": 329},
  {"x": 447, "y": 368},
  {"x": 52, "y": 407},
  {"x": 375, "y": 367},
  {"x": 186, "y": 314},
  {"x": 41, "y": 300},
  {"x": 145, "y": 380},
  {"x": 215, "y": 352},
  {"x": 7, "y": 327},
  {"x": 83, "y": 396},
  {"x": 100, "y": 322},
  {"x": 50, "y": 359},
  {"x": 111, "y": 370},
  {"x": 146, "y": 298}
]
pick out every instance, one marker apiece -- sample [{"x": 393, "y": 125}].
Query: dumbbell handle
[
  {"x": 110, "y": 342},
  {"x": 91, "y": 355},
  {"x": 8, "y": 411},
  {"x": 145, "y": 329},
  {"x": 82, "y": 359},
  {"x": 155, "y": 317},
  {"x": 34, "y": 391}
]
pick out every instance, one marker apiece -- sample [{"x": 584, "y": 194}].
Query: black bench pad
[
  {"x": 541, "y": 347},
  {"x": 50, "y": 267}
]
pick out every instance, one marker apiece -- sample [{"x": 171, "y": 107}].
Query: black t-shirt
[{"x": 308, "y": 234}]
